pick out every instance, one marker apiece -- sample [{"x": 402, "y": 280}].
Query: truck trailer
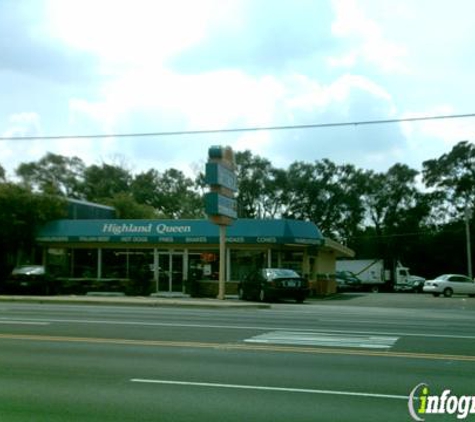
[{"x": 375, "y": 276}]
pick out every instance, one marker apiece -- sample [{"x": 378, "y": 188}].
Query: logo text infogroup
[{"x": 422, "y": 403}]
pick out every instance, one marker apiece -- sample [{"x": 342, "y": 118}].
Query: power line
[{"x": 234, "y": 130}]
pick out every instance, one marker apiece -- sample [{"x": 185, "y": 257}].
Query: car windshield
[{"x": 280, "y": 273}]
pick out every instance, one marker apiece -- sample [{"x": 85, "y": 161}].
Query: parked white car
[{"x": 449, "y": 284}]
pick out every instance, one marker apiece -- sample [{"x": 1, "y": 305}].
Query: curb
[{"x": 135, "y": 301}]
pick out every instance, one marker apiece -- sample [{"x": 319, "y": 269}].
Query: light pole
[{"x": 468, "y": 216}]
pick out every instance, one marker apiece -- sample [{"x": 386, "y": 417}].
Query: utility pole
[{"x": 468, "y": 216}]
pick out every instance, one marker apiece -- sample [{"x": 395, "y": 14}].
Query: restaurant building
[{"x": 183, "y": 255}]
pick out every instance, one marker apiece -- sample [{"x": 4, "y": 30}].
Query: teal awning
[{"x": 244, "y": 231}]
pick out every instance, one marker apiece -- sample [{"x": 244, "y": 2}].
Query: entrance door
[
  {"x": 176, "y": 272},
  {"x": 170, "y": 271}
]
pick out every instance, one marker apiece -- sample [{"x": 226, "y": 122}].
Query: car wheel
[
  {"x": 374, "y": 289},
  {"x": 448, "y": 292},
  {"x": 471, "y": 295},
  {"x": 436, "y": 294},
  {"x": 241, "y": 294},
  {"x": 300, "y": 299}
]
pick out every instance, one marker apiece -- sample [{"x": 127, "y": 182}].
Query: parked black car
[
  {"x": 29, "y": 279},
  {"x": 268, "y": 284}
]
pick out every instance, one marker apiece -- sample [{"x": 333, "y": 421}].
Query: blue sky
[{"x": 104, "y": 67}]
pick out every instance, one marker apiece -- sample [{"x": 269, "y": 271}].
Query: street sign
[
  {"x": 220, "y": 204},
  {"x": 220, "y": 176},
  {"x": 217, "y": 174},
  {"x": 217, "y": 204}
]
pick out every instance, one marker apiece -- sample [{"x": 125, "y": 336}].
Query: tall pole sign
[{"x": 220, "y": 204}]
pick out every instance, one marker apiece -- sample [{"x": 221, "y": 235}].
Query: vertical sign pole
[
  {"x": 155, "y": 268},
  {"x": 222, "y": 261}
]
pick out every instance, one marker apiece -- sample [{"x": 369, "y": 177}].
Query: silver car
[{"x": 449, "y": 284}]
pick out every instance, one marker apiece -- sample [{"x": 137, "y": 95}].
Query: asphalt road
[{"x": 354, "y": 359}]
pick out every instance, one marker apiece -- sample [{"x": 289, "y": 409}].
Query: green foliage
[
  {"x": 328, "y": 194},
  {"x": 21, "y": 214},
  {"x": 385, "y": 215},
  {"x": 54, "y": 175},
  {"x": 453, "y": 177},
  {"x": 127, "y": 207},
  {"x": 172, "y": 194},
  {"x": 262, "y": 189},
  {"x": 105, "y": 181}
]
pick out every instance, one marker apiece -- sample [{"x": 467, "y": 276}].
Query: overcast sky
[{"x": 104, "y": 67}]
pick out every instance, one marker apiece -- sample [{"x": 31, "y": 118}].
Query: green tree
[
  {"x": 327, "y": 194},
  {"x": 390, "y": 196},
  {"x": 397, "y": 212},
  {"x": 54, "y": 175},
  {"x": 144, "y": 187},
  {"x": 177, "y": 197},
  {"x": 22, "y": 213},
  {"x": 105, "y": 181},
  {"x": 3, "y": 175},
  {"x": 262, "y": 189},
  {"x": 172, "y": 194},
  {"x": 127, "y": 207},
  {"x": 452, "y": 176}
]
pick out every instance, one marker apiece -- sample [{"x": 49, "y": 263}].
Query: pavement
[
  {"x": 382, "y": 300},
  {"x": 121, "y": 300}
]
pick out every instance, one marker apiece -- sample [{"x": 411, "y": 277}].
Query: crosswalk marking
[{"x": 324, "y": 339}]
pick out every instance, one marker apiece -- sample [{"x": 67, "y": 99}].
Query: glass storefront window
[
  {"x": 114, "y": 264},
  {"x": 138, "y": 264},
  {"x": 84, "y": 263},
  {"x": 209, "y": 263},
  {"x": 58, "y": 262},
  {"x": 292, "y": 260},
  {"x": 243, "y": 262}
]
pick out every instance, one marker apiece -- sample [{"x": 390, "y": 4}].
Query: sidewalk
[{"x": 151, "y": 301}]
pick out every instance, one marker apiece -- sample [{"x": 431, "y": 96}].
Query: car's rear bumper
[{"x": 432, "y": 289}]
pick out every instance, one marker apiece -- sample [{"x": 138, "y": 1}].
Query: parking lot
[{"x": 398, "y": 300}]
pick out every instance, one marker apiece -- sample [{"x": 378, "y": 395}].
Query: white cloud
[
  {"x": 211, "y": 100},
  {"x": 308, "y": 94},
  {"x": 368, "y": 41},
  {"x": 434, "y": 137},
  {"x": 128, "y": 30},
  {"x": 23, "y": 124},
  {"x": 155, "y": 65}
]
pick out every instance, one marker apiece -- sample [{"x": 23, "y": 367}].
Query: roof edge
[{"x": 341, "y": 250}]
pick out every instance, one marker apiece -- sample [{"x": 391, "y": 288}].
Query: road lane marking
[
  {"x": 22, "y": 322},
  {"x": 246, "y": 327},
  {"x": 324, "y": 339},
  {"x": 238, "y": 347},
  {"x": 268, "y": 388}
]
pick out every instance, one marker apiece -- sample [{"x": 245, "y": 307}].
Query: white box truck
[{"x": 375, "y": 276}]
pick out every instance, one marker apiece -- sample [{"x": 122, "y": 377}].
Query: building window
[
  {"x": 244, "y": 261},
  {"x": 84, "y": 263}
]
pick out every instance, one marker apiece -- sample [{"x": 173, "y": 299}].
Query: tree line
[{"x": 417, "y": 217}]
